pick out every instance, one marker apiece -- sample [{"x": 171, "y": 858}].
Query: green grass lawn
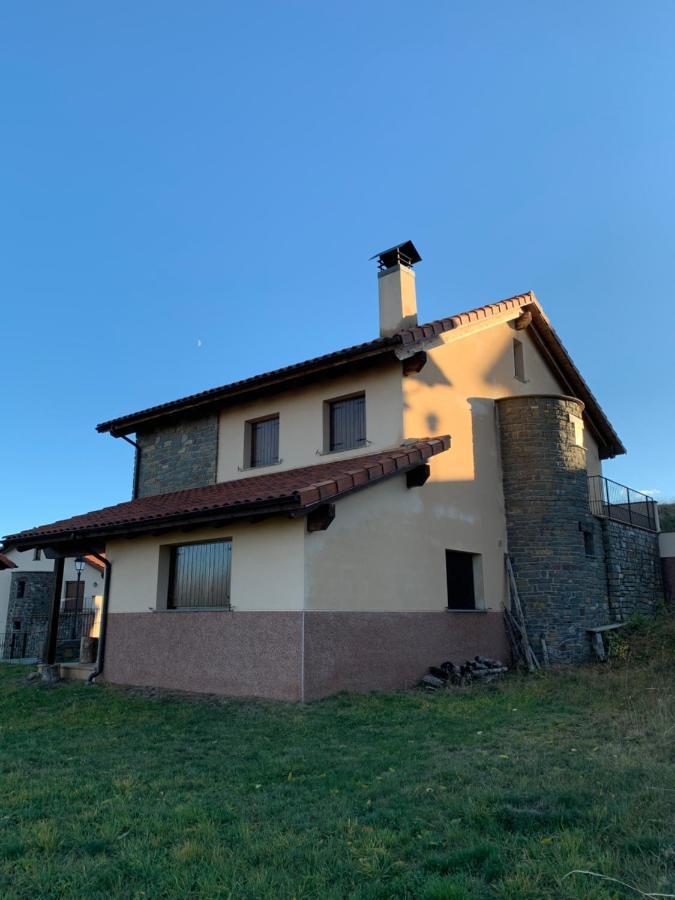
[{"x": 494, "y": 791}]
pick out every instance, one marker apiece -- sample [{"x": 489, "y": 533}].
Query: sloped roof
[
  {"x": 372, "y": 352},
  {"x": 292, "y": 492},
  {"x": 95, "y": 563},
  {"x": 6, "y": 562}
]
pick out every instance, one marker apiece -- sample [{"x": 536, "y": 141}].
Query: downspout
[
  {"x": 137, "y": 463},
  {"x": 98, "y": 668}
]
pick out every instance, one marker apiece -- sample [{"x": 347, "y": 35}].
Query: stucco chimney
[{"x": 396, "y": 284}]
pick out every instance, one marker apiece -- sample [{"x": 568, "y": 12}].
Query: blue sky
[{"x": 190, "y": 194}]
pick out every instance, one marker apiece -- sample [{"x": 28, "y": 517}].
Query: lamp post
[{"x": 79, "y": 566}]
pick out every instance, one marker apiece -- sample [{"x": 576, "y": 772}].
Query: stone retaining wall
[{"x": 633, "y": 569}]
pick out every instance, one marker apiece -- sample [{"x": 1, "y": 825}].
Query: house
[
  {"x": 27, "y": 587},
  {"x": 26, "y": 595},
  {"x": 340, "y": 523}
]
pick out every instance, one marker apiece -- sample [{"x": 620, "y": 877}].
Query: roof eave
[
  {"x": 85, "y": 537},
  {"x": 609, "y": 443},
  {"x": 298, "y": 502},
  {"x": 196, "y": 404}
]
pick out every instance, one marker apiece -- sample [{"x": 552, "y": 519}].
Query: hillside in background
[{"x": 667, "y": 516}]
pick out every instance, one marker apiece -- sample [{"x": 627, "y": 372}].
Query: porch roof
[
  {"x": 6, "y": 562},
  {"x": 292, "y": 492}
]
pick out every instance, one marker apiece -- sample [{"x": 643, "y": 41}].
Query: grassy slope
[{"x": 496, "y": 792}]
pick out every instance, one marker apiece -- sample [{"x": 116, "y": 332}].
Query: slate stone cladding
[
  {"x": 633, "y": 569},
  {"x": 562, "y": 589},
  {"x": 177, "y": 457},
  {"x": 27, "y": 615}
]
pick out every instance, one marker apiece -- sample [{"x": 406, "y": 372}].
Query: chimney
[{"x": 396, "y": 283}]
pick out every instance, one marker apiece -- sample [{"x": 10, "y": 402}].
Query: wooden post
[{"x": 53, "y": 626}]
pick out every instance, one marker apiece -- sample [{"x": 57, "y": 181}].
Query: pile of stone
[{"x": 480, "y": 668}]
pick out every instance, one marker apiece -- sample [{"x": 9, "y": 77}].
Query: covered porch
[{"x": 64, "y": 643}]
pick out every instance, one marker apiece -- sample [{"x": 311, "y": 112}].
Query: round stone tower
[{"x": 554, "y": 542}]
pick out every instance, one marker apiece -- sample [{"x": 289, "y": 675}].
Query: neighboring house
[
  {"x": 343, "y": 522},
  {"x": 26, "y": 596}
]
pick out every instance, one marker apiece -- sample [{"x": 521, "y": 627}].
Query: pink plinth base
[
  {"x": 346, "y": 651},
  {"x": 261, "y": 654}
]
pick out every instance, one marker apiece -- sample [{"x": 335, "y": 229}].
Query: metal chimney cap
[{"x": 402, "y": 254}]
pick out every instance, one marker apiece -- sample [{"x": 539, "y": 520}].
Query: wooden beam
[
  {"x": 415, "y": 363},
  {"x": 417, "y": 477},
  {"x": 321, "y": 517},
  {"x": 53, "y": 626},
  {"x": 523, "y": 321}
]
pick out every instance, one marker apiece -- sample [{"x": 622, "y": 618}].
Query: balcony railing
[{"x": 612, "y": 500}]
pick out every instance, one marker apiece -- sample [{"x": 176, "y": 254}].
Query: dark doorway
[{"x": 459, "y": 572}]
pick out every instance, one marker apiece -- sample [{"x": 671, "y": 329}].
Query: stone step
[{"x": 74, "y": 671}]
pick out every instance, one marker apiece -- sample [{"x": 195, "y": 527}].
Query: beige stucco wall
[
  {"x": 267, "y": 567},
  {"x": 380, "y": 553},
  {"x": 385, "y": 550},
  {"x": 301, "y": 418}
]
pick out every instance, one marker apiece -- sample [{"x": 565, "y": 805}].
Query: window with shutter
[
  {"x": 347, "y": 423},
  {"x": 200, "y": 575},
  {"x": 264, "y": 442}
]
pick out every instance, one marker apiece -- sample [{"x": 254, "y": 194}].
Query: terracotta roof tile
[
  {"x": 292, "y": 491},
  {"x": 378, "y": 349}
]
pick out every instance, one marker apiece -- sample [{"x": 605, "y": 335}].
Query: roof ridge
[{"x": 381, "y": 344}]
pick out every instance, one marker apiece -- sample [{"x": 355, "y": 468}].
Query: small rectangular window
[
  {"x": 200, "y": 575},
  {"x": 37, "y": 554},
  {"x": 20, "y": 589},
  {"x": 518, "y": 360},
  {"x": 589, "y": 548},
  {"x": 347, "y": 423},
  {"x": 264, "y": 438},
  {"x": 578, "y": 425},
  {"x": 459, "y": 570},
  {"x": 589, "y": 539}
]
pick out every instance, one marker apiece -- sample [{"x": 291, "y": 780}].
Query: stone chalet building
[{"x": 341, "y": 523}]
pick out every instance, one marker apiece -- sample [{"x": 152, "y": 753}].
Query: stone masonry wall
[
  {"x": 561, "y": 577},
  {"x": 177, "y": 457},
  {"x": 27, "y": 615},
  {"x": 633, "y": 569}
]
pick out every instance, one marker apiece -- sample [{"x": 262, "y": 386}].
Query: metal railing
[
  {"x": 27, "y": 640},
  {"x": 612, "y": 500}
]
